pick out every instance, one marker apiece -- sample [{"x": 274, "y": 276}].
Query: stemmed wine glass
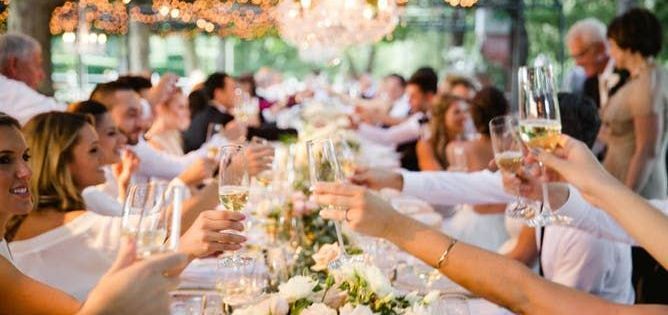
[
  {"x": 508, "y": 155},
  {"x": 233, "y": 185},
  {"x": 540, "y": 125},
  {"x": 324, "y": 167},
  {"x": 152, "y": 217}
]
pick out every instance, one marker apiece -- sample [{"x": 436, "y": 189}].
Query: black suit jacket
[
  {"x": 591, "y": 86},
  {"x": 195, "y": 135}
]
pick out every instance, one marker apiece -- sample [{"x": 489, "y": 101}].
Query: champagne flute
[
  {"x": 263, "y": 178},
  {"x": 151, "y": 213},
  {"x": 211, "y": 130},
  {"x": 345, "y": 156},
  {"x": 233, "y": 185},
  {"x": 540, "y": 125},
  {"x": 508, "y": 155},
  {"x": 324, "y": 167}
]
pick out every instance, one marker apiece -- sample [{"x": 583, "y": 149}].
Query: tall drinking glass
[
  {"x": 152, "y": 217},
  {"x": 508, "y": 154},
  {"x": 211, "y": 130},
  {"x": 324, "y": 167},
  {"x": 540, "y": 124},
  {"x": 233, "y": 185}
]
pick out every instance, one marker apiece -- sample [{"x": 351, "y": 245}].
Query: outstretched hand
[
  {"x": 576, "y": 164},
  {"x": 135, "y": 287},
  {"x": 366, "y": 212}
]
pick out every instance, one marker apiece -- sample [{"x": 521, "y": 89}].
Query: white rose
[
  {"x": 296, "y": 288},
  {"x": 318, "y": 309},
  {"x": 357, "y": 310},
  {"x": 413, "y": 297},
  {"x": 326, "y": 254},
  {"x": 275, "y": 305},
  {"x": 378, "y": 283}
]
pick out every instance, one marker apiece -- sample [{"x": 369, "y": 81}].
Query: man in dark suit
[
  {"x": 587, "y": 44},
  {"x": 219, "y": 90},
  {"x": 219, "y": 93}
]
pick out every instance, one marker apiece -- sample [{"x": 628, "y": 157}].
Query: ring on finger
[{"x": 346, "y": 215}]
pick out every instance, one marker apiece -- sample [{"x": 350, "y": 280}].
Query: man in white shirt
[
  {"x": 21, "y": 73},
  {"x": 125, "y": 107},
  {"x": 420, "y": 90},
  {"x": 569, "y": 256}
]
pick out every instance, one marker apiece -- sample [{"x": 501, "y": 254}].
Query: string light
[{"x": 242, "y": 18}]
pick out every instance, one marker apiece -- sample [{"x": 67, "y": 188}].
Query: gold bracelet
[{"x": 444, "y": 257}]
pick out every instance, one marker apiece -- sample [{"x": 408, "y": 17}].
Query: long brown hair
[
  {"x": 439, "y": 137},
  {"x": 51, "y": 138}
]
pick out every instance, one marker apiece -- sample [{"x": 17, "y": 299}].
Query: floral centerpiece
[{"x": 354, "y": 289}]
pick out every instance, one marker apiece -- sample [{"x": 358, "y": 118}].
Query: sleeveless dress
[{"x": 646, "y": 94}]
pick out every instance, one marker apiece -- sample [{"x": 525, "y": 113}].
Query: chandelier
[{"x": 322, "y": 29}]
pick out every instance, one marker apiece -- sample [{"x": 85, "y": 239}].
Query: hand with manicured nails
[
  {"x": 135, "y": 287},
  {"x": 575, "y": 163},
  {"x": 206, "y": 237},
  {"x": 367, "y": 213},
  {"x": 123, "y": 171}
]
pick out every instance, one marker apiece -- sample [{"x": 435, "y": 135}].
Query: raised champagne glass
[
  {"x": 508, "y": 155},
  {"x": 233, "y": 186},
  {"x": 152, "y": 217},
  {"x": 540, "y": 125},
  {"x": 324, "y": 167}
]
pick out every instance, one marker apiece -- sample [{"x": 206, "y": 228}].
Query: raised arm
[
  {"x": 22, "y": 295},
  {"x": 644, "y": 222},
  {"x": 494, "y": 277}
]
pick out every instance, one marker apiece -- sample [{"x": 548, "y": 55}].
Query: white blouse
[
  {"x": 72, "y": 257},
  {"x": 4, "y": 251}
]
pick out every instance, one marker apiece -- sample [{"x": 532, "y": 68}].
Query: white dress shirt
[
  {"x": 407, "y": 130},
  {"x": 570, "y": 256},
  {"x": 103, "y": 199},
  {"x": 606, "y": 81},
  {"x": 72, "y": 257},
  {"x": 162, "y": 165},
  {"x": 400, "y": 108},
  {"x": 22, "y": 102},
  {"x": 596, "y": 221}
]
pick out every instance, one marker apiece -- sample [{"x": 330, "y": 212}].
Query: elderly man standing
[
  {"x": 20, "y": 73},
  {"x": 587, "y": 44}
]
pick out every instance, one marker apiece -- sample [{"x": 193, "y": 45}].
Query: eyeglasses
[{"x": 582, "y": 53}]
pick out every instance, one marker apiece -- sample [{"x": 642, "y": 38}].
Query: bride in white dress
[{"x": 483, "y": 226}]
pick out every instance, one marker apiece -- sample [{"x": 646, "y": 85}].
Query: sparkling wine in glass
[
  {"x": 152, "y": 217},
  {"x": 324, "y": 167},
  {"x": 233, "y": 185},
  {"x": 265, "y": 177},
  {"x": 508, "y": 155},
  {"x": 540, "y": 125}
]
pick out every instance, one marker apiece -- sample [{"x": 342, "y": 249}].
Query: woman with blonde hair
[
  {"x": 448, "y": 117},
  {"x": 67, "y": 247},
  {"x": 116, "y": 292},
  {"x": 172, "y": 118}
]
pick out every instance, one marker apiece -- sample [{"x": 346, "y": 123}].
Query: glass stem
[
  {"x": 545, "y": 213},
  {"x": 339, "y": 236}
]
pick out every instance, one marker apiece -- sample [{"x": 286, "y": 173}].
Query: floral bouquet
[{"x": 354, "y": 289}]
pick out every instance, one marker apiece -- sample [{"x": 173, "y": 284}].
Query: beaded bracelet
[{"x": 444, "y": 257}]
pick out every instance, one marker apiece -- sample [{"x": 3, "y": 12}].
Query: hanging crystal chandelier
[{"x": 327, "y": 27}]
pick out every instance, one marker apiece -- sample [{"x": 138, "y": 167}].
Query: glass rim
[
  {"x": 231, "y": 146},
  {"x": 318, "y": 140}
]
